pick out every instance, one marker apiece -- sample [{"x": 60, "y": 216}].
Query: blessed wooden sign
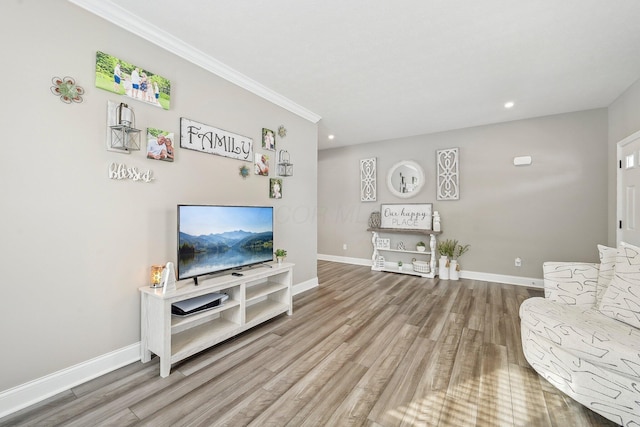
[
  {"x": 406, "y": 216},
  {"x": 208, "y": 139}
]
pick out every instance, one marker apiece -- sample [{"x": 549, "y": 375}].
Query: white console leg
[{"x": 165, "y": 366}]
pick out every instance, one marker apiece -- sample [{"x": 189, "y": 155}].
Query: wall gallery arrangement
[{"x": 134, "y": 82}]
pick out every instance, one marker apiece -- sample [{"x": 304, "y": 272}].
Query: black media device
[{"x": 198, "y": 304}]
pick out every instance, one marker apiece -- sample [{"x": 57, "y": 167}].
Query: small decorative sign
[
  {"x": 208, "y": 139},
  {"x": 121, "y": 171},
  {"x": 406, "y": 216},
  {"x": 383, "y": 243}
]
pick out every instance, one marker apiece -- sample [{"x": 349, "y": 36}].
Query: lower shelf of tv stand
[
  {"x": 264, "y": 310},
  {"x": 196, "y": 339}
]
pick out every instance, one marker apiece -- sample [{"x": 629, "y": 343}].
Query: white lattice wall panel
[
  {"x": 448, "y": 180},
  {"x": 368, "y": 180}
]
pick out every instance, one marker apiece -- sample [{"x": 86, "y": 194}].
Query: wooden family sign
[
  {"x": 208, "y": 139},
  {"x": 406, "y": 216}
]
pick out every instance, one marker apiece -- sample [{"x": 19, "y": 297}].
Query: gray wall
[
  {"x": 624, "y": 120},
  {"x": 554, "y": 209},
  {"x": 75, "y": 245}
]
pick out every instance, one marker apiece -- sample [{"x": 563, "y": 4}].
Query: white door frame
[{"x": 619, "y": 190}]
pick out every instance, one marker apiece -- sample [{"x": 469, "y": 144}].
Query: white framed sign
[
  {"x": 413, "y": 216},
  {"x": 383, "y": 243},
  {"x": 208, "y": 139}
]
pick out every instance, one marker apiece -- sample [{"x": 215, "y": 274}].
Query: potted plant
[
  {"x": 421, "y": 247},
  {"x": 454, "y": 267},
  {"x": 280, "y": 255},
  {"x": 460, "y": 250},
  {"x": 446, "y": 248},
  {"x": 399, "y": 265}
]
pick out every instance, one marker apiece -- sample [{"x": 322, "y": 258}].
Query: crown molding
[{"x": 118, "y": 16}]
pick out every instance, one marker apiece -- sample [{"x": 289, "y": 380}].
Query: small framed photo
[
  {"x": 383, "y": 243},
  {"x": 268, "y": 139},
  {"x": 160, "y": 145},
  {"x": 261, "y": 164},
  {"x": 275, "y": 188}
]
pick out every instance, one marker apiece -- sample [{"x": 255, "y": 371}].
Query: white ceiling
[{"x": 376, "y": 69}]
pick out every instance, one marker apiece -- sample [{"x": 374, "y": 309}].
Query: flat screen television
[{"x": 213, "y": 239}]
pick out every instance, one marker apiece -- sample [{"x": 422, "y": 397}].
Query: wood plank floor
[{"x": 363, "y": 349}]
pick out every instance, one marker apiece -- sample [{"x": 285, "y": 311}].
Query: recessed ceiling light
[
  {"x": 331, "y": 136},
  {"x": 509, "y": 104}
]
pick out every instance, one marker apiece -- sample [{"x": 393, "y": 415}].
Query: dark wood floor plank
[{"x": 364, "y": 348}]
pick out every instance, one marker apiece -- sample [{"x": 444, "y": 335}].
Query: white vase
[
  {"x": 454, "y": 274},
  {"x": 443, "y": 270},
  {"x": 421, "y": 248}
]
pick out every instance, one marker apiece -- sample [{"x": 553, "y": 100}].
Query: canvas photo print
[
  {"x": 160, "y": 145},
  {"x": 275, "y": 188},
  {"x": 261, "y": 164},
  {"x": 132, "y": 81},
  {"x": 268, "y": 139}
]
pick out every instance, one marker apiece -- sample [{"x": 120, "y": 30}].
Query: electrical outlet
[
  {"x": 344, "y": 246},
  {"x": 518, "y": 262}
]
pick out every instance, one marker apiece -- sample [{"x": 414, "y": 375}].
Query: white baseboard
[
  {"x": 35, "y": 391},
  {"x": 474, "y": 275},
  {"x": 305, "y": 286},
  {"x": 345, "y": 260}
]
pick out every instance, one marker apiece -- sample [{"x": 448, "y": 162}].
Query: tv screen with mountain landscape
[{"x": 217, "y": 238}]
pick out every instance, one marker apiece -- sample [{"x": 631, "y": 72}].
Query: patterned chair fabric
[{"x": 591, "y": 357}]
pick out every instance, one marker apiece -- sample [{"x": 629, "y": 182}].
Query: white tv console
[{"x": 255, "y": 297}]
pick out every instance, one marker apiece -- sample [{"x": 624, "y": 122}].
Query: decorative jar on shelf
[{"x": 443, "y": 268}]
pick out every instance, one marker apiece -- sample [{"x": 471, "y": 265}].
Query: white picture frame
[{"x": 382, "y": 243}]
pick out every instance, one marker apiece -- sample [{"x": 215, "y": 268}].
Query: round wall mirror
[{"x": 405, "y": 179}]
